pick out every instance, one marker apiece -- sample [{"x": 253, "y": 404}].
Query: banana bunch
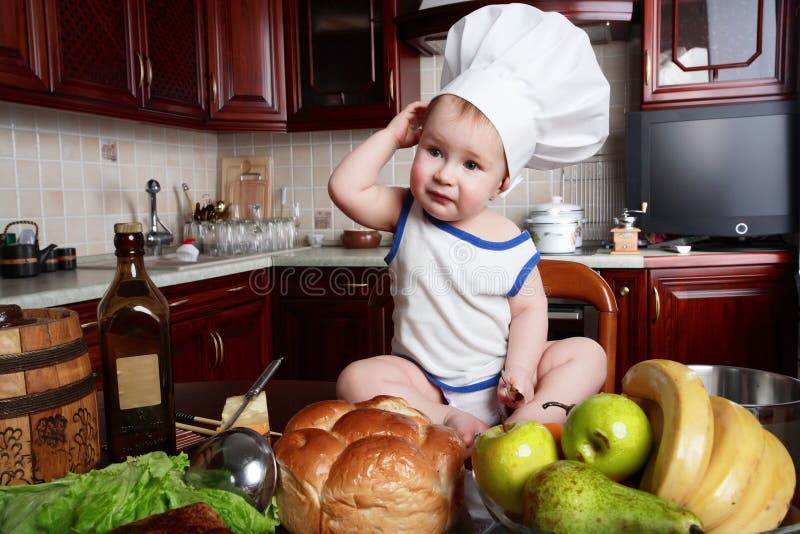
[{"x": 712, "y": 456}]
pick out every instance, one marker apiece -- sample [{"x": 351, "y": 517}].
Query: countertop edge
[{"x": 69, "y": 287}]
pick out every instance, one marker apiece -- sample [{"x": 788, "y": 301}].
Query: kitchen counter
[{"x": 84, "y": 283}]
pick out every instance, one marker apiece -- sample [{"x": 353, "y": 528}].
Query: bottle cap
[
  {"x": 188, "y": 241},
  {"x": 128, "y": 228}
]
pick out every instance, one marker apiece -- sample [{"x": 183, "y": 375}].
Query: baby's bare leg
[
  {"x": 570, "y": 370},
  {"x": 392, "y": 375}
]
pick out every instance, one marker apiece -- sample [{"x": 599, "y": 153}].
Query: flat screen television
[{"x": 719, "y": 171}]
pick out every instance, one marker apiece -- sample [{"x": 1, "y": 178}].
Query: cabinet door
[
  {"x": 192, "y": 350},
  {"x": 93, "y": 46},
  {"x": 345, "y": 66},
  {"x": 245, "y": 63},
  {"x": 321, "y": 336},
  {"x": 743, "y": 316},
  {"x": 173, "y": 52},
  {"x": 244, "y": 342},
  {"x": 327, "y": 318},
  {"x": 710, "y": 51},
  {"x": 630, "y": 290},
  {"x": 23, "y": 45}
]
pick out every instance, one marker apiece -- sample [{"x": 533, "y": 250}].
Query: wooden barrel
[{"x": 48, "y": 402}]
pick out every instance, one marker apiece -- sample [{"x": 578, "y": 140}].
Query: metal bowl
[{"x": 773, "y": 398}]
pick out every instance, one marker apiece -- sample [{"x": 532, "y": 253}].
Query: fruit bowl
[{"x": 511, "y": 522}]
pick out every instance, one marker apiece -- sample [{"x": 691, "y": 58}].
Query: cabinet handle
[
  {"x": 213, "y": 88},
  {"x": 90, "y": 324},
  {"x": 149, "y": 72},
  {"x": 391, "y": 85},
  {"x": 658, "y": 304},
  {"x": 141, "y": 69},
  {"x": 178, "y": 303},
  {"x": 216, "y": 350},
  {"x": 647, "y": 67},
  {"x": 221, "y": 349},
  {"x": 235, "y": 289},
  {"x": 624, "y": 291}
]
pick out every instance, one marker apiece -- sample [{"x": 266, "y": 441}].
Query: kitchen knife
[{"x": 254, "y": 390}]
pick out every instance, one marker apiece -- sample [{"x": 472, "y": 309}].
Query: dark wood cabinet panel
[
  {"x": 326, "y": 318},
  {"x": 744, "y": 316},
  {"x": 630, "y": 289},
  {"x": 173, "y": 50},
  {"x": 245, "y": 344},
  {"x": 700, "y": 53},
  {"x": 133, "y": 59},
  {"x": 247, "y": 84},
  {"x": 92, "y": 50},
  {"x": 345, "y": 65},
  {"x": 23, "y": 45},
  {"x": 192, "y": 350}
]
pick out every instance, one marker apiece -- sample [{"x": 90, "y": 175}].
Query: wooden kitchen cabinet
[
  {"x": 23, "y": 45},
  {"x": 134, "y": 59},
  {"x": 630, "y": 289},
  {"x": 247, "y": 83},
  {"x": 129, "y": 53},
  {"x": 325, "y": 318},
  {"x": 222, "y": 345},
  {"x": 221, "y": 328},
  {"x": 345, "y": 66},
  {"x": 740, "y": 315},
  {"x": 699, "y": 52}
]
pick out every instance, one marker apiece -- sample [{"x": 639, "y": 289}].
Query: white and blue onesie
[{"x": 451, "y": 311}]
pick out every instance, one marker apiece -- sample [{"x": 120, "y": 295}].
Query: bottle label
[{"x": 138, "y": 380}]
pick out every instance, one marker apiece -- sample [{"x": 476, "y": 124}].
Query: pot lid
[{"x": 556, "y": 206}]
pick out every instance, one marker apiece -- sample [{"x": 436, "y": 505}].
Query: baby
[{"x": 470, "y": 311}]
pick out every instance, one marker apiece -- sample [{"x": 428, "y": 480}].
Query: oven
[{"x": 569, "y": 318}]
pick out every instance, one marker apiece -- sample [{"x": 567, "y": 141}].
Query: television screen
[{"x": 726, "y": 171}]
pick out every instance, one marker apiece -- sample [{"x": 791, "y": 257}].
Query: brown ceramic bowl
[{"x": 361, "y": 238}]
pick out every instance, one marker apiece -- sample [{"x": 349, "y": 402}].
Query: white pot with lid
[
  {"x": 552, "y": 234},
  {"x": 562, "y": 210}
]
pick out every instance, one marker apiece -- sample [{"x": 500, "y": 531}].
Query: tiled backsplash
[{"x": 52, "y": 169}]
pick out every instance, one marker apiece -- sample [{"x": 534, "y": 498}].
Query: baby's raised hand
[
  {"x": 406, "y": 126},
  {"x": 515, "y": 387}
]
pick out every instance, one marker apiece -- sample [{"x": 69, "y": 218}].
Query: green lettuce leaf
[{"x": 103, "y": 499}]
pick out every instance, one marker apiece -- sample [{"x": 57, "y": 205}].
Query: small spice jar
[{"x": 66, "y": 258}]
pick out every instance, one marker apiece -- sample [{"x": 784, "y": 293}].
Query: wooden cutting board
[{"x": 247, "y": 181}]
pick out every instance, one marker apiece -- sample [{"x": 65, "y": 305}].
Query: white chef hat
[{"x": 534, "y": 75}]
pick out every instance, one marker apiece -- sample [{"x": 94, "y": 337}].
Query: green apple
[
  {"x": 610, "y": 432},
  {"x": 505, "y": 456}
]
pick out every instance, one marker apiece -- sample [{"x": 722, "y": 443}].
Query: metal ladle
[{"x": 238, "y": 460}]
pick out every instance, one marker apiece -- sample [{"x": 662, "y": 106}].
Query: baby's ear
[{"x": 504, "y": 184}]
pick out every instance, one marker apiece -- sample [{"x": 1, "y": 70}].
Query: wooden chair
[{"x": 572, "y": 280}]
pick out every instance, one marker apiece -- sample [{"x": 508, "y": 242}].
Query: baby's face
[{"x": 459, "y": 164}]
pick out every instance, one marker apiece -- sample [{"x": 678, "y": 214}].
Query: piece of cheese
[{"x": 255, "y": 416}]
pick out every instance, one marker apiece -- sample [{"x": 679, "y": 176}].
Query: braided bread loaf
[{"x": 376, "y": 466}]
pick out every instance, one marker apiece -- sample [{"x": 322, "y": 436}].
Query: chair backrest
[{"x": 572, "y": 280}]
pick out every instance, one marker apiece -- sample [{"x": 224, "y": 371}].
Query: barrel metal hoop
[
  {"x": 46, "y": 400},
  {"x": 23, "y": 361}
]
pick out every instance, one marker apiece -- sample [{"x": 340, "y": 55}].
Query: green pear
[{"x": 570, "y": 497}]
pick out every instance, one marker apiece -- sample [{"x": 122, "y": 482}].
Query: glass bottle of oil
[{"x": 136, "y": 350}]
